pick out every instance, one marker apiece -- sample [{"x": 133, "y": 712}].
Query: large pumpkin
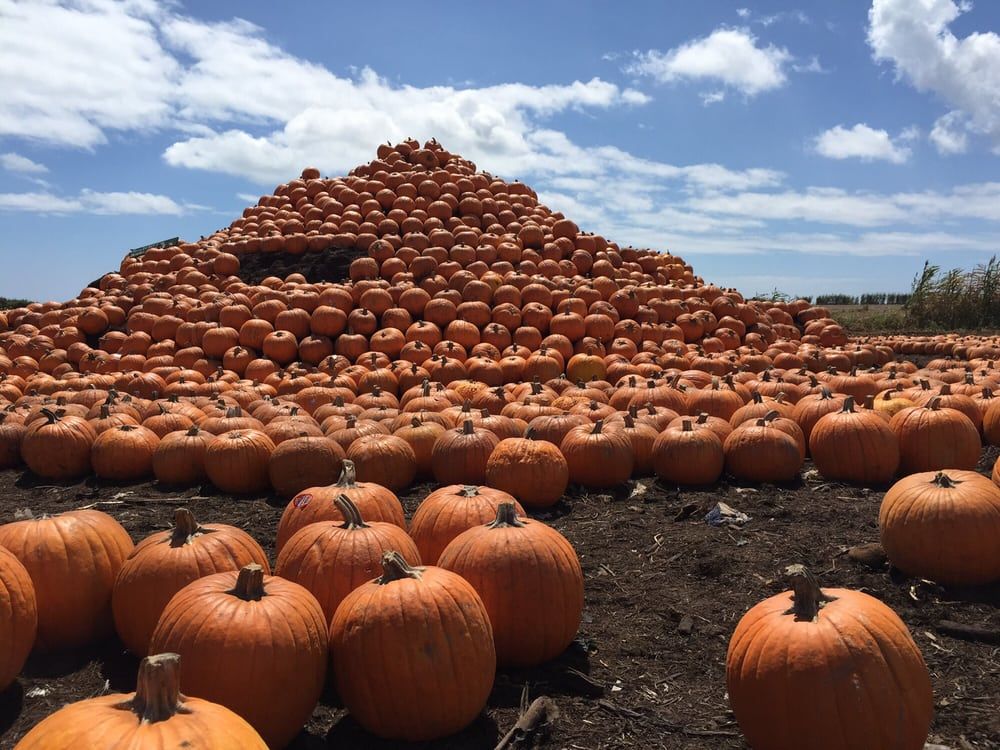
[
  {"x": 164, "y": 563},
  {"x": 124, "y": 453},
  {"x": 597, "y": 457},
  {"x": 256, "y": 644},
  {"x": 237, "y": 461},
  {"x": 18, "y": 617},
  {"x": 301, "y": 462},
  {"x": 827, "y": 669},
  {"x": 854, "y": 446},
  {"x": 73, "y": 560},
  {"x": 931, "y": 437},
  {"x": 448, "y": 511},
  {"x": 155, "y": 717},
  {"x": 58, "y": 447},
  {"x": 412, "y": 652},
  {"x": 757, "y": 452},
  {"x": 180, "y": 457},
  {"x": 534, "y": 471},
  {"x": 386, "y": 459},
  {"x": 943, "y": 526},
  {"x": 460, "y": 455},
  {"x": 333, "y": 558},
  {"x": 314, "y": 504},
  {"x": 685, "y": 455},
  {"x": 520, "y": 566}
]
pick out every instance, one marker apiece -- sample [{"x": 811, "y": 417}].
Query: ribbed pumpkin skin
[
  {"x": 762, "y": 454},
  {"x": 237, "y": 461},
  {"x": 459, "y": 456},
  {"x": 931, "y": 439},
  {"x": 59, "y": 449},
  {"x": 530, "y": 580},
  {"x": 315, "y": 504},
  {"x": 533, "y": 471},
  {"x": 854, "y": 446},
  {"x": 945, "y": 529},
  {"x": 11, "y": 437},
  {"x": 73, "y": 560},
  {"x": 265, "y": 659},
  {"x": 302, "y": 462},
  {"x": 164, "y": 563},
  {"x": 597, "y": 456},
  {"x": 688, "y": 456},
  {"x": 853, "y": 680},
  {"x": 18, "y": 617},
  {"x": 110, "y": 721},
  {"x": 179, "y": 459},
  {"x": 810, "y": 409},
  {"x": 386, "y": 459},
  {"x": 413, "y": 658},
  {"x": 124, "y": 453},
  {"x": 447, "y": 512},
  {"x": 331, "y": 559}
]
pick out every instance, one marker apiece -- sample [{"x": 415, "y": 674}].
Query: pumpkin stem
[
  {"x": 157, "y": 689},
  {"x": 50, "y": 415},
  {"x": 934, "y": 403},
  {"x": 506, "y": 516},
  {"x": 395, "y": 568},
  {"x": 943, "y": 480},
  {"x": 807, "y": 596},
  {"x": 193, "y": 431},
  {"x": 686, "y": 425},
  {"x": 848, "y": 404},
  {"x": 598, "y": 427},
  {"x": 185, "y": 527},
  {"x": 348, "y": 474},
  {"x": 350, "y": 512},
  {"x": 468, "y": 490},
  {"x": 250, "y": 583},
  {"x": 467, "y": 427}
]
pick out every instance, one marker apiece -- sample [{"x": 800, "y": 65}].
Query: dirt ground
[{"x": 663, "y": 593}]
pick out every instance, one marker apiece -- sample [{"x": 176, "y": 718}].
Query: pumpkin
[
  {"x": 685, "y": 455},
  {"x": 597, "y": 457},
  {"x": 237, "y": 462},
  {"x": 991, "y": 422},
  {"x": 854, "y": 446},
  {"x": 302, "y": 462},
  {"x": 124, "y": 453},
  {"x": 386, "y": 459},
  {"x": 519, "y": 565},
  {"x": 757, "y": 452},
  {"x": 72, "y": 559},
  {"x": 720, "y": 399},
  {"x": 18, "y": 617},
  {"x": 179, "y": 458},
  {"x": 155, "y": 716},
  {"x": 58, "y": 447},
  {"x": 447, "y": 512},
  {"x": 333, "y": 558},
  {"x": 460, "y": 455},
  {"x": 11, "y": 435},
  {"x": 642, "y": 436},
  {"x": 412, "y": 652},
  {"x": 315, "y": 504},
  {"x": 931, "y": 438},
  {"x": 943, "y": 526},
  {"x": 827, "y": 670},
  {"x": 421, "y": 435},
  {"x": 534, "y": 471},
  {"x": 254, "y": 643},
  {"x": 811, "y": 408},
  {"x": 165, "y": 562}
]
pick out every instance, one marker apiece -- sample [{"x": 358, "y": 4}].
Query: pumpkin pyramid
[{"x": 415, "y": 258}]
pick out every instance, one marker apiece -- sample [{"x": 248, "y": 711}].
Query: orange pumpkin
[
  {"x": 447, "y": 512},
  {"x": 931, "y": 438},
  {"x": 58, "y": 447},
  {"x": 302, "y": 462},
  {"x": 597, "y": 457},
  {"x": 684, "y": 455},
  {"x": 179, "y": 458},
  {"x": 460, "y": 455},
  {"x": 18, "y": 617},
  {"x": 534, "y": 471},
  {"x": 237, "y": 461}
]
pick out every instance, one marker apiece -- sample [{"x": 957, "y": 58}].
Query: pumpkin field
[{"x": 406, "y": 459}]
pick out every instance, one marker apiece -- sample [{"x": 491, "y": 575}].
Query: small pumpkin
[
  {"x": 409, "y": 682},
  {"x": 256, "y": 644},
  {"x": 795, "y": 653},
  {"x": 155, "y": 716},
  {"x": 164, "y": 563},
  {"x": 541, "y": 574}
]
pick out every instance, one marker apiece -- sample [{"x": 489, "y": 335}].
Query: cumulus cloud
[
  {"x": 18, "y": 164},
  {"x": 861, "y": 142},
  {"x": 731, "y": 57},
  {"x": 914, "y": 36}
]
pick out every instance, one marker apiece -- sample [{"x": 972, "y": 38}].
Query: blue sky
[{"x": 809, "y": 146}]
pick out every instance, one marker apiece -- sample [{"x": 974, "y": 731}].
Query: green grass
[{"x": 9, "y": 304}]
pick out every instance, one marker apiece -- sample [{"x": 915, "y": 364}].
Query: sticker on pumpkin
[{"x": 301, "y": 501}]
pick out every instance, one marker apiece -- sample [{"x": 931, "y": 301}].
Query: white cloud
[
  {"x": 743, "y": 12},
  {"x": 12, "y": 162},
  {"x": 712, "y": 97},
  {"x": 914, "y": 36},
  {"x": 731, "y": 57},
  {"x": 949, "y": 134},
  {"x": 248, "y": 198},
  {"x": 813, "y": 66},
  {"x": 94, "y": 202},
  {"x": 860, "y": 142}
]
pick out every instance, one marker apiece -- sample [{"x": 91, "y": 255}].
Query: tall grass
[{"x": 956, "y": 299}]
